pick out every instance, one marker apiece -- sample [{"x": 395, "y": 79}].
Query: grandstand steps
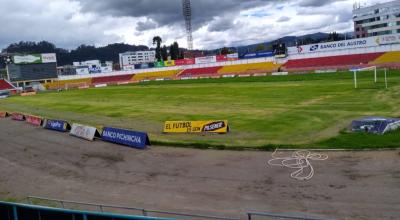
[{"x": 5, "y": 85}]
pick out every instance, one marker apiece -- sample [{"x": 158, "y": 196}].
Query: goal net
[{"x": 361, "y": 74}]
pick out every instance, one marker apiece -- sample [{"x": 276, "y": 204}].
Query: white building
[
  {"x": 93, "y": 66},
  {"x": 376, "y": 20},
  {"x": 128, "y": 59}
]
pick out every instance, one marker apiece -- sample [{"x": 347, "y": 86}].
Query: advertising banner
[
  {"x": 159, "y": 64},
  {"x": 126, "y": 137},
  {"x": 35, "y": 58},
  {"x": 82, "y": 71},
  {"x": 94, "y": 69},
  {"x": 336, "y": 45},
  {"x": 233, "y": 56},
  {"x": 85, "y": 132},
  {"x": 388, "y": 39},
  {"x": 129, "y": 67},
  {"x": 222, "y": 58},
  {"x": 49, "y": 58},
  {"x": 196, "y": 126},
  {"x": 17, "y": 116},
  {"x": 33, "y": 120},
  {"x": 184, "y": 62},
  {"x": 56, "y": 125},
  {"x": 204, "y": 60},
  {"x": 169, "y": 63},
  {"x": 258, "y": 55},
  {"x": 227, "y": 57},
  {"x": 27, "y": 59},
  {"x": 3, "y": 114}
]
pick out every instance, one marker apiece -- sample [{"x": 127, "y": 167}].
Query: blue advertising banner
[
  {"x": 57, "y": 125},
  {"x": 258, "y": 55},
  {"x": 126, "y": 137}
]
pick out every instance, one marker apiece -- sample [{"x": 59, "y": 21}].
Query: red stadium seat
[
  {"x": 4, "y": 85},
  {"x": 112, "y": 79},
  {"x": 331, "y": 62},
  {"x": 207, "y": 71}
]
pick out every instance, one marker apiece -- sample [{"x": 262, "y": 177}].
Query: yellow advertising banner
[
  {"x": 169, "y": 63},
  {"x": 196, "y": 126}
]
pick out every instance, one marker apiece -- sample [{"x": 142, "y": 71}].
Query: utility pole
[{"x": 187, "y": 14}]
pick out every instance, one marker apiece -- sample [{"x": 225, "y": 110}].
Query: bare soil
[{"x": 349, "y": 185}]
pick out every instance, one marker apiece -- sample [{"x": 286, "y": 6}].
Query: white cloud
[{"x": 69, "y": 23}]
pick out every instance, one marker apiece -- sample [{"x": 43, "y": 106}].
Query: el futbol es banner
[{"x": 220, "y": 126}]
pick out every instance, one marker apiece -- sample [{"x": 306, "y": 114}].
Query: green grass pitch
[{"x": 296, "y": 111}]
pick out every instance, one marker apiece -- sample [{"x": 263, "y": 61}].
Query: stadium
[{"x": 300, "y": 132}]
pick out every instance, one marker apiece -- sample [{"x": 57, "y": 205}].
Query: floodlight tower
[{"x": 187, "y": 14}]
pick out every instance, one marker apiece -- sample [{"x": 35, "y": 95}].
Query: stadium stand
[
  {"x": 74, "y": 83},
  {"x": 250, "y": 68},
  {"x": 207, "y": 71},
  {"x": 5, "y": 85},
  {"x": 339, "y": 62},
  {"x": 156, "y": 75},
  {"x": 388, "y": 57},
  {"x": 112, "y": 79}
]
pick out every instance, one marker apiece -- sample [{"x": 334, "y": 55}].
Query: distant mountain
[{"x": 290, "y": 41}]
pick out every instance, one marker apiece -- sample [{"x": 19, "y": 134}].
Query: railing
[
  {"x": 144, "y": 212},
  {"x": 252, "y": 215},
  {"x": 265, "y": 215}
]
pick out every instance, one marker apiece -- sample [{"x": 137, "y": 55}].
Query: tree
[
  {"x": 164, "y": 53},
  {"x": 334, "y": 37},
  {"x": 157, "y": 40},
  {"x": 174, "y": 51},
  {"x": 260, "y": 47},
  {"x": 225, "y": 51}
]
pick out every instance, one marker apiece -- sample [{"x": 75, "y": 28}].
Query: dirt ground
[{"x": 349, "y": 185}]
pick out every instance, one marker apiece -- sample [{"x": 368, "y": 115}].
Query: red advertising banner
[
  {"x": 33, "y": 120},
  {"x": 17, "y": 116},
  {"x": 3, "y": 114},
  {"x": 183, "y": 62},
  {"x": 228, "y": 57},
  {"x": 222, "y": 58}
]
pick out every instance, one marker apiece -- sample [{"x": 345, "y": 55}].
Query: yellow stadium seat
[
  {"x": 249, "y": 68},
  {"x": 73, "y": 83},
  {"x": 388, "y": 57},
  {"x": 155, "y": 75}
]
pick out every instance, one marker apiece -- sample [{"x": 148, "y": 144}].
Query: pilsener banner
[{"x": 196, "y": 126}]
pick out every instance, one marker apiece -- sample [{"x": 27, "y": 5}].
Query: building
[
  {"x": 128, "y": 59},
  {"x": 376, "y": 20}
]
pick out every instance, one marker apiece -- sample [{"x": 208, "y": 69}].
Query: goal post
[{"x": 364, "y": 69}]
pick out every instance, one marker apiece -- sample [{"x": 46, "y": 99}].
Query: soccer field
[{"x": 310, "y": 110}]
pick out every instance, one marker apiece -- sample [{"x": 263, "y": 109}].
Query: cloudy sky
[{"x": 216, "y": 23}]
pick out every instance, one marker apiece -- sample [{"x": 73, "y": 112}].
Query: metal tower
[{"x": 187, "y": 14}]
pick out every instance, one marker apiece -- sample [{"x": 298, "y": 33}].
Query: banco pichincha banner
[
  {"x": 219, "y": 126},
  {"x": 130, "y": 138}
]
